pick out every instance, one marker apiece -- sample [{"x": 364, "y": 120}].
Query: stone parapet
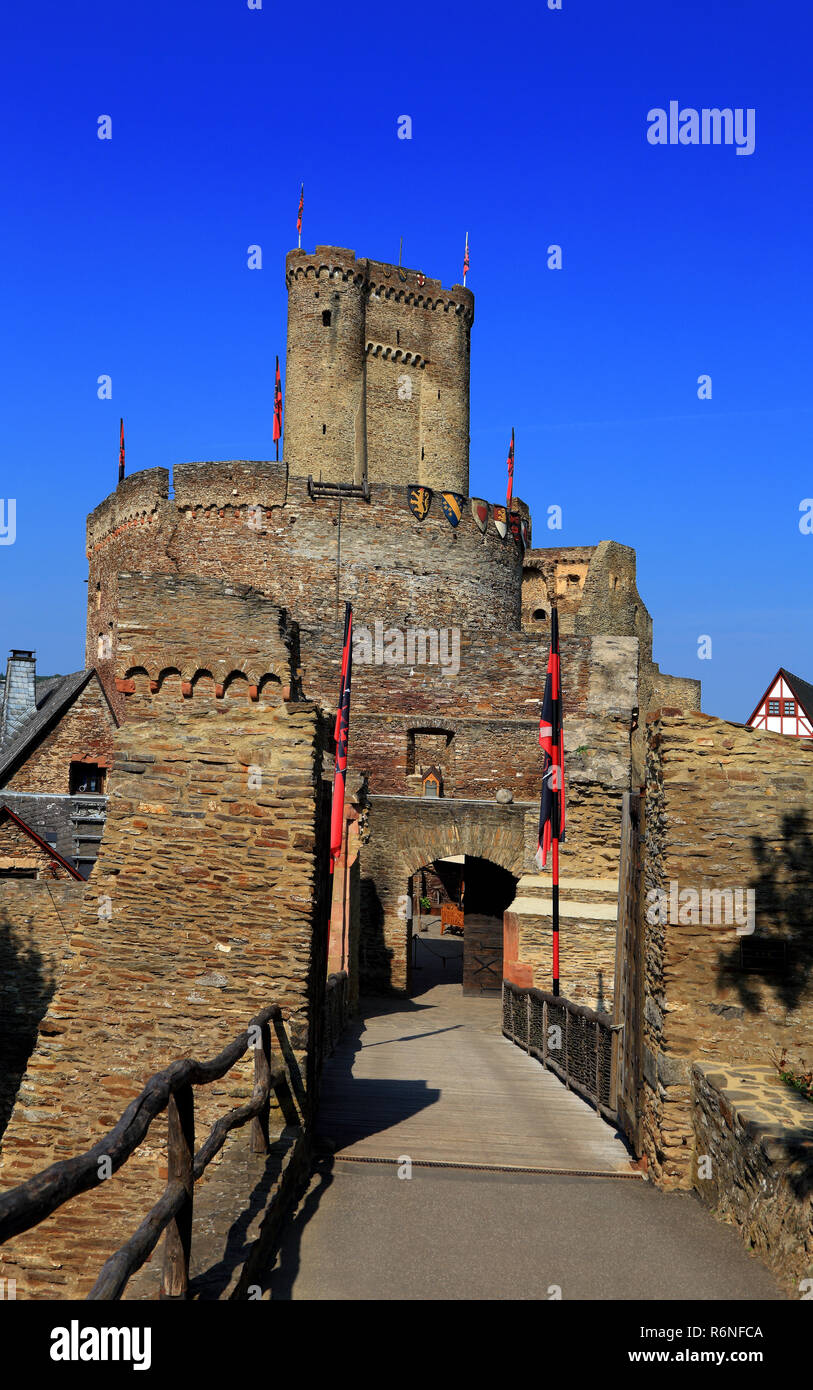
[{"x": 753, "y": 1163}]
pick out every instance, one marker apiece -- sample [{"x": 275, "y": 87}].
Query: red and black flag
[
  {"x": 277, "y": 408},
  {"x": 341, "y": 732},
  {"x": 466, "y": 259},
  {"x": 510, "y": 473},
  {"x": 552, "y": 740},
  {"x": 121, "y": 450},
  {"x": 299, "y": 214}
]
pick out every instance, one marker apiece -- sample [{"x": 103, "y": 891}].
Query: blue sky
[{"x": 128, "y": 257}]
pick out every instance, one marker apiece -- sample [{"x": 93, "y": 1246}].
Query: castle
[
  {"x": 377, "y": 397},
  {"x": 215, "y": 602}
]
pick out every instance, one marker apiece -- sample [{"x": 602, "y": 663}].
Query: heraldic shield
[
  {"x": 420, "y": 500},
  {"x": 479, "y": 510},
  {"x": 452, "y": 504},
  {"x": 515, "y": 526},
  {"x": 500, "y": 519}
]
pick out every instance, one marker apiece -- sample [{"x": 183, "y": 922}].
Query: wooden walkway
[{"x": 433, "y": 1078}]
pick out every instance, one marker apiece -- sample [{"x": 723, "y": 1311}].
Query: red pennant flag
[
  {"x": 466, "y": 259},
  {"x": 341, "y": 733},
  {"x": 299, "y": 214},
  {"x": 121, "y": 450},
  {"x": 277, "y": 408},
  {"x": 510, "y": 474},
  {"x": 552, "y": 740}
]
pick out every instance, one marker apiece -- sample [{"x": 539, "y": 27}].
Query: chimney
[{"x": 19, "y": 696}]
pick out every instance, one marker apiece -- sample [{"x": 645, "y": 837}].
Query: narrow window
[
  {"x": 85, "y": 778},
  {"x": 326, "y": 317},
  {"x": 324, "y": 429}
]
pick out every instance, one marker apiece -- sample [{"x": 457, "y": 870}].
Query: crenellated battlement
[
  {"x": 230, "y": 483},
  {"x": 135, "y": 502}
]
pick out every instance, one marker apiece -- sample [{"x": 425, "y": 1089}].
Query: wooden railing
[
  {"x": 576, "y": 1043},
  {"x": 171, "y": 1090}
]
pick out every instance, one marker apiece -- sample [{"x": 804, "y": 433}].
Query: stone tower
[{"x": 377, "y": 380}]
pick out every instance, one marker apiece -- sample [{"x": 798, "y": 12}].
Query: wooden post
[
  {"x": 181, "y": 1153},
  {"x": 260, "y": 1142}
]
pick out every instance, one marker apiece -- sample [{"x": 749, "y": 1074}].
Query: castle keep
[{"x": 377, "y": 381}]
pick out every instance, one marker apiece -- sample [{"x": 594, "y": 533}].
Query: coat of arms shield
[
  {"x": 479, "y": 510},
  {"x": 420, "y": 500},
  {"x": 500, "y": 520},
  {"x": 452, "y": 504}
]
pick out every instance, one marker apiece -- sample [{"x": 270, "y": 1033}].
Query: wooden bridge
[{"x": 433, "y": 1078}]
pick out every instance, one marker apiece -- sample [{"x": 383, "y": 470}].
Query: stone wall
[
  {"x": 727, "y": 808},
  {"x": 209, "y": 900},
  {"x": 393, "y": 568},
  {"x": 37, "y": 919},
  {"x": 753, "y": 1166}
]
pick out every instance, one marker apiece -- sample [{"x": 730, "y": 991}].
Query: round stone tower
[{"x": 377, "y": 380}]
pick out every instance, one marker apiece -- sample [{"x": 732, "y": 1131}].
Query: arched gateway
[{"x": 405, "y": 834}]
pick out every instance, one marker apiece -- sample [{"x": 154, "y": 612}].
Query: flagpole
[
  {"x": 557, "y": 792},
  {"x": 346, "y": 657},
  {"x": 509, "y": 497},
  {"x": 277, "y": 407}
]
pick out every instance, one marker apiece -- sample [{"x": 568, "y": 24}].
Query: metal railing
[{"x": 572, "y": 1041}]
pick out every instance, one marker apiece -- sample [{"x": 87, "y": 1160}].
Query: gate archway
[{"x": 407, "y": 833}]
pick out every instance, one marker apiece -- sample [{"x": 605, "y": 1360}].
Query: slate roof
[
  {"x": 803, "y": 691},
  {"x": 40, "y": 843},
  {"x": 53, "y": 695}
]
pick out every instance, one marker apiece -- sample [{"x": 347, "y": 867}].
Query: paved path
[{"x": 433, "y": 1078}]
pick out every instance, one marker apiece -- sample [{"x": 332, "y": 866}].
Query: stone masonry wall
[
  {"x": 393, "y": 568},
  {"x": 754, "y": 1163},
  {"x": 37, "y": 918},
  {"x": 207, "y": 902},
  {"x": 726, "y": 808}
]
